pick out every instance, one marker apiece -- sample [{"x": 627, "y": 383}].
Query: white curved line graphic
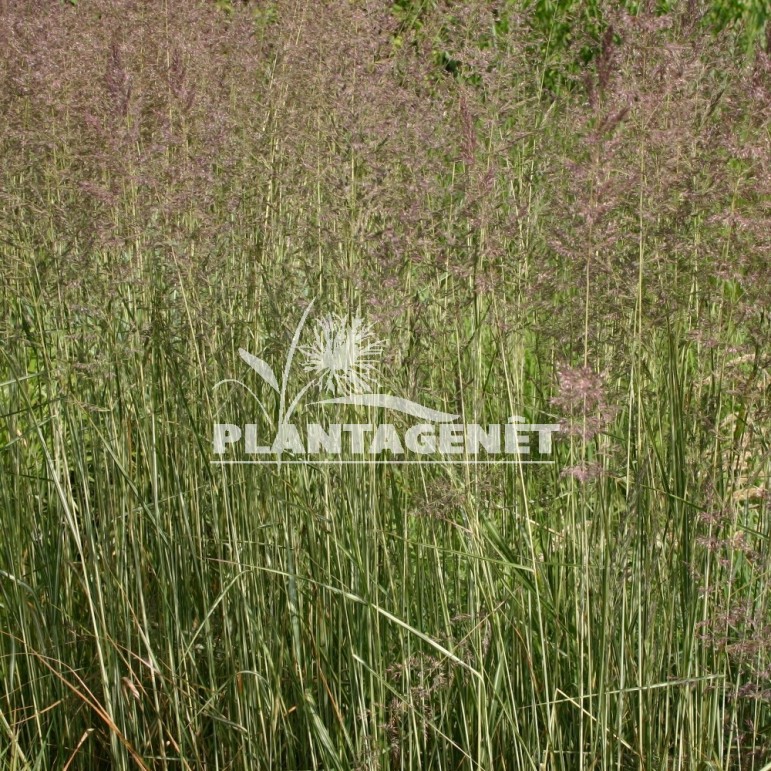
[{"x": 393, "y": 403}]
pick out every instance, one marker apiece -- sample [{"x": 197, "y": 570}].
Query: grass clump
[{"x": 178, "y": 183}]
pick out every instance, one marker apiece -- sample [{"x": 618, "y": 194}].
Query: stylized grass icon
[{"x": 342, "y": 358}]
